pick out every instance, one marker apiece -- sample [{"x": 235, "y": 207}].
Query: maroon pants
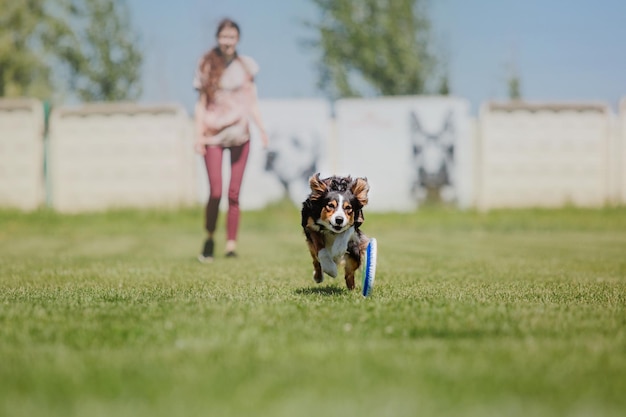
[{"x": 213, "y": 161}]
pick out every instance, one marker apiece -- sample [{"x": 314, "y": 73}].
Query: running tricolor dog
[{"x": 331, "y": 219}]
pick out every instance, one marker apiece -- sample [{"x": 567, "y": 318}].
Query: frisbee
[{"x": 369, "y": 267}]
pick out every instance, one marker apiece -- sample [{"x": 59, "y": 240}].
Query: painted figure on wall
[
  {"x": 432, "y": 159},
  {"x": 293, "y": 158}
]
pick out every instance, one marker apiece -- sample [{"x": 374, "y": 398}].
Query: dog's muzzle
[{"x": 338, "y": 223}]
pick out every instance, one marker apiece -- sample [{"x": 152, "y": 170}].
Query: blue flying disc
[{"x": 369, "y": 267}]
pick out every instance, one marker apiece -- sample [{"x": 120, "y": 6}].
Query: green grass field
[{"x": 511, "y": 313}]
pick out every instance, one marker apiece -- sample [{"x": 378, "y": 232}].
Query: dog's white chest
[
  {"x": 336, "y": 246},
  {"x": 338, "y": 243}
]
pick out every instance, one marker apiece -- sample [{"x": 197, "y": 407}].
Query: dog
[{"x": 331, "y": 218}]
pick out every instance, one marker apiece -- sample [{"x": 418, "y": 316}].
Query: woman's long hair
[{"x": 213, "y": 63}]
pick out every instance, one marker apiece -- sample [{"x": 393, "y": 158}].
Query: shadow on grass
[{"x": 327, "y": 290}]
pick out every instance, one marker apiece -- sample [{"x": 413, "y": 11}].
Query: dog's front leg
[
  {"x": 328, "y": 264},
  {"x": 313, "y": 241},
  {"x": 351, "y": 266},
  {"x": 318, "y": 276},
  {"x": 311, "y": 226},
  {"x": 353, "y": 258}
]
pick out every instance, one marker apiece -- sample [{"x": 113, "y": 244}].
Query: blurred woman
[{"x": 227, "y": 102}]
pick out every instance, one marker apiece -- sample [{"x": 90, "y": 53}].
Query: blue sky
[{"x": 564, "y": 50}]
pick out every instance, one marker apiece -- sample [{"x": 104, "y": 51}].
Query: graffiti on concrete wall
[
  {"x": 433, "y": 163},
  {"x": 293, "y": 157}
]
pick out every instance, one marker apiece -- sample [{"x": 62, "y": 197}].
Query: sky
[{"x": 562, "y": 50}]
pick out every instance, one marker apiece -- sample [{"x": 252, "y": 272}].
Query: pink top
[
  {"x": 235, "y": 75},
  {"x": 226, "y": 117}
]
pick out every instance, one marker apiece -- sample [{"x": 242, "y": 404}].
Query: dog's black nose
[{"x": 339, "y": 220}]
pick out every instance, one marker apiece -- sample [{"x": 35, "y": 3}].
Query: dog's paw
[
  {"x": 331, "y": 270},
  {"x": 326, "y": 261},
  {"x": 312, "y": 226},
  {"x": 318, "y": 278}
]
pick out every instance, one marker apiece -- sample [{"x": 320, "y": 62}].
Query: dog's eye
[
  {"x": 347, "y": 208},
  {"x": 330, "y": 205}
]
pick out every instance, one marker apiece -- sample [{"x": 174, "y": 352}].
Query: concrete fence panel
[
  {"x": 120, "y": 155},
  {"x": 300, "y": 135},
  {"x": 544, "y": 155},
  {"x": 412, "y": 149},
  {"x": 21, "y": 154}
]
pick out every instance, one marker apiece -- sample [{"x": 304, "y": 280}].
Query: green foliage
[
  {"x": 512, "y": 313},
  {"x": 54, "y": 48},
  {"x": 107, "y": 64},
  {"x": 378, "y": 44},
  {"x": 514, "y": 87},
  {"x": 25, "y": 27},
  {"x": 444, "y": 86}
]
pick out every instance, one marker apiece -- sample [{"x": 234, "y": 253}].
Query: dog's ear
[
  {"x": 359, "y": 188},
  {"x": 318, "y": 187},
  {"x": 359, "y": 218}
]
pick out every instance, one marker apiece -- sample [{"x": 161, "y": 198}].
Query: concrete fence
[
  {"x": 120, "y": 155},
  {"x": 21, "y": 154},
  {"x": 412, "y": 149},
  {"x": 545, "y": 155}
]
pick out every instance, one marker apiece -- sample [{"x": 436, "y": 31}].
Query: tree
[
  {"x": 23, "y": 71},
  {"x": 106, "y": 64},
  {"x": 52, "y": 48},
  {"x": 514, "y": 83},
  {"x": 378, "y": 44},
  {"x": 514, "y": 86},
  {"x": 444, "y": 86}
]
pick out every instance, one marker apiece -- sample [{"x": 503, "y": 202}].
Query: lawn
[{"x": 509, "y": 313}]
